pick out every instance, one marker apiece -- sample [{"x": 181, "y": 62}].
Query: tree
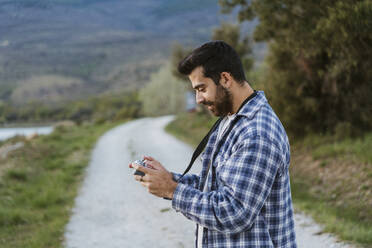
[
  {"x": 164, "y": 94},
  {"x": 319, "y": 61},
  {"x": 178, "y": 53}
]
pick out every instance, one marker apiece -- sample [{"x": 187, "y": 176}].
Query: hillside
[{"x": 107, "y": 45}]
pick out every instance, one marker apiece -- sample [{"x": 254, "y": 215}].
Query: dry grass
[
  {"x": 343, "y": 181},
  {"x": 336, "y": 191}
]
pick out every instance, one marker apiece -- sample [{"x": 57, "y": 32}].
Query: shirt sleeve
[
  {"x": 191, "y": 180},
  {"x": 245, "y": 180}
]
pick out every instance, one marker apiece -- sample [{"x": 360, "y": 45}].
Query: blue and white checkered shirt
[{"x": 248, "y": 202}]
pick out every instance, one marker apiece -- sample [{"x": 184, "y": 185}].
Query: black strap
[
  {"x": 204, "y": 141},
  {"x": 201, "y": 146}
]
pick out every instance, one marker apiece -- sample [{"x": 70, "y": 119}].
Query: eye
[{"x": 201, "y": 89}]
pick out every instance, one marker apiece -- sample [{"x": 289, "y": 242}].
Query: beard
[{"x": 222, "y": 104}]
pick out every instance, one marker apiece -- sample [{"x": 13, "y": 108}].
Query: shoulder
[
  {"x": 264, "y": 122},
  {"x": 264, "y": 125}
]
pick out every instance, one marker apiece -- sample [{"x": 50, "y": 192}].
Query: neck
[{"x": 240, "y": 93}]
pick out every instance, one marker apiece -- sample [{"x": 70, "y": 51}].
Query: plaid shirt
[{"x": 248, "y": 202}]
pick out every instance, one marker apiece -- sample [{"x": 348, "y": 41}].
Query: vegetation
[
  {"x": 38, "y": 185},
  {"x": 48, "y": 88},
  {"x": 331, "y": 179},
  {"x": 318, "y": 65},
  {"x": 191, "y": 127},
  {"x": 178, "y": 53},
  {"x": 96, "y": 109},
  {"x": 164, "y": 94}
]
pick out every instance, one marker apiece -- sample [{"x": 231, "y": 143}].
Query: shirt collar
[{"x": 253, "y": 105}]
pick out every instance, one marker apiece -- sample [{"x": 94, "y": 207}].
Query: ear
[{"x": 226, "y": 80}]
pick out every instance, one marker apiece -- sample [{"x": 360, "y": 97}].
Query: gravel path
[{"x": 112, "y": 210}]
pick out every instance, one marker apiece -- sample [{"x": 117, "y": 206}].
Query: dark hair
[{"x": 215, "y": 57}]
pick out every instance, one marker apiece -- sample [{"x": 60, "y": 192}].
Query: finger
[
  {"x": 148, "y": 164},
  {"x": 138, "y": 178},
  {"x": 145, "y": 184},
  {"x": 155, "y": 164},
  {"x": 143, "y": 169},
  {"x": 142, "y": 179},
  {"x": 148, "y": 158},
  {"x": 130, "y": 165},
  {"x": 146, "y": 178}
]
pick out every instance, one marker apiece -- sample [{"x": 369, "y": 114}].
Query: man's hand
[{"x": 157, "y": 179}]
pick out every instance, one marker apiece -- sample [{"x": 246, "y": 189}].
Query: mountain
[{"x": 105, "y": 45}]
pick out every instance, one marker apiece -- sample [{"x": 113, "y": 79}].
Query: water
[{"x": 6, "y": 133}]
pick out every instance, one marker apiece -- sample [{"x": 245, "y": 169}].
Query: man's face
[{"x": 215, "y": 97}]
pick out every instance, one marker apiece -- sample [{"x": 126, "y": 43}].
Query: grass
[
  {"x": 359, "y": 148},
  {"x": 343, "y": 220},
  {"x": 38, "y": 191},
  {"x": 331, "y": 179}
]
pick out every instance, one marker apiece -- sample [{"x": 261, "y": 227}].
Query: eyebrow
[{"x": 198, "y": 86}]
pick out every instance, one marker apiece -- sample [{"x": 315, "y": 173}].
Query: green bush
[{"x": 19, "y": 175}]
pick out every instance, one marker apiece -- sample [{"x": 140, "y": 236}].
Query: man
[{"x": 242, "y": 197}]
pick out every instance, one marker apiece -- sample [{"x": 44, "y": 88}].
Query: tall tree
[{"x": 319, "y": 60}]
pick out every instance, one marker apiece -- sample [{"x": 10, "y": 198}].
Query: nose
[{"x": 199, "y": 98}]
